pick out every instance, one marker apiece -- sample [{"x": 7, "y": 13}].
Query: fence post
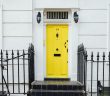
[
  {"x": 7, "y": 68},
  {"x": 85, "y": 70},
  {"x": 18, "y": 71},
  {"x": 12, "y": 69},
  {"x": 2, "y": 67},
  {"x": 24, "y": 70},
  {"x": 80, "y": 63},
  {"x": 82, "y": 66},
  {"x": 98, "y": 73},
  {"x": 31, "y": 64},
  {"x": 103, "y": 70},
  {"x": 109, "y": 68},
  {"x": 92, "y": 56}
]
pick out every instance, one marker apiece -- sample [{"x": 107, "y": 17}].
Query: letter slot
[{"x": 57, "y": 55}]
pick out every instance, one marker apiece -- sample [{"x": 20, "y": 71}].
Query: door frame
[
  {"x": 73, "y": 31},
  {"x": 39, "y": 43}
]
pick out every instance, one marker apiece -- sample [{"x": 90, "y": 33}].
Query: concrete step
[
  {"x": 57, "y": 85},
  {"x": 106, "y": 91},
  {"x": 57, "y": 88},
  {"x": 34, "y": 92}
]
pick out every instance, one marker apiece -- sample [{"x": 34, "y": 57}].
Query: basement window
[{"x": 57, "y": 15}]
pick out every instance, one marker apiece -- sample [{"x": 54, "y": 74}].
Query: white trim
[
  {"x": 38, "y": 44},
  {"x": 74, "y": 45},
  {"x": 57, "y": 21}
]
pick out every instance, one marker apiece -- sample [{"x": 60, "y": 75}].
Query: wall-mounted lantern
[
  {"x": 38, "y": 17},
  {"x": 76, "y": 17}
]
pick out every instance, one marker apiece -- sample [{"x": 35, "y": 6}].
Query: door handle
[{"x": 57, "y": 55}]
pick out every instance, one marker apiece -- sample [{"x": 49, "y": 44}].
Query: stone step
[
  {"x": 57, "y": 85},
  {"x": 106, "y": 91},
  {"x": 34, "y": 92}
]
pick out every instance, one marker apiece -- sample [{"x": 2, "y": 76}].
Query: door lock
[{"x": 57, "y": 49}]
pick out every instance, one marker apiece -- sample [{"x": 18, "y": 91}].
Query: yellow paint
[{"x": 57, "y": 43}]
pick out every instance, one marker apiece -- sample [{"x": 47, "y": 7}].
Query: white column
[
  {"x": 73, "y": 45},
  {"x": 38, "y": 44}
]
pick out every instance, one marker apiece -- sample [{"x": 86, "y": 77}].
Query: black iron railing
[
  {"x": 17, "y": 70},
  {"x": 86, "y": 71}
]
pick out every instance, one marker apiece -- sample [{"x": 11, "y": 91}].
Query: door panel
[{"x": 57, "y": 51}]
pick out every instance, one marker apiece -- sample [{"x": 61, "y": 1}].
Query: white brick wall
[{"x": 17, "y": 24}]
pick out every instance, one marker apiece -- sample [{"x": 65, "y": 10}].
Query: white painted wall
[
  {"x": 94, "y": 24},
  {"x": 56, "y": 4},
  {"x": 17, "y": 24},
  {"x": 1, "y": 27}
]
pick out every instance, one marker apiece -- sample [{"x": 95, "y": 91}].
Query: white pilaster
[
  {"x": 38, "y": 44},
  {"x": 73, "y": 45}
]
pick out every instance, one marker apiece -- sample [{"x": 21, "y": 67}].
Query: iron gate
[{"x": 17, "y": 71}]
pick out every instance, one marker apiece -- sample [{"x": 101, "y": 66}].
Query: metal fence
[
  {"x": 17, "y": 70},
  {"x": 94, "y": 68}
]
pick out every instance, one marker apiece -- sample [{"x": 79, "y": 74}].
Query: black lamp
[
  {"x": 76, "y": 17},
  {"x": 38, "y": 17}
]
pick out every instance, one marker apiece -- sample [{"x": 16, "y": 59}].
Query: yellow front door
[{"x": 57, "y": 51}]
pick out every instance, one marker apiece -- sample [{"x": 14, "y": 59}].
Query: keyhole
[
  {"x": 57, "y": 49},
  {"x": 57, "y": 35}
]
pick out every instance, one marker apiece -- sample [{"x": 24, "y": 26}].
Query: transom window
[{"x": 57, "y": 15}]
